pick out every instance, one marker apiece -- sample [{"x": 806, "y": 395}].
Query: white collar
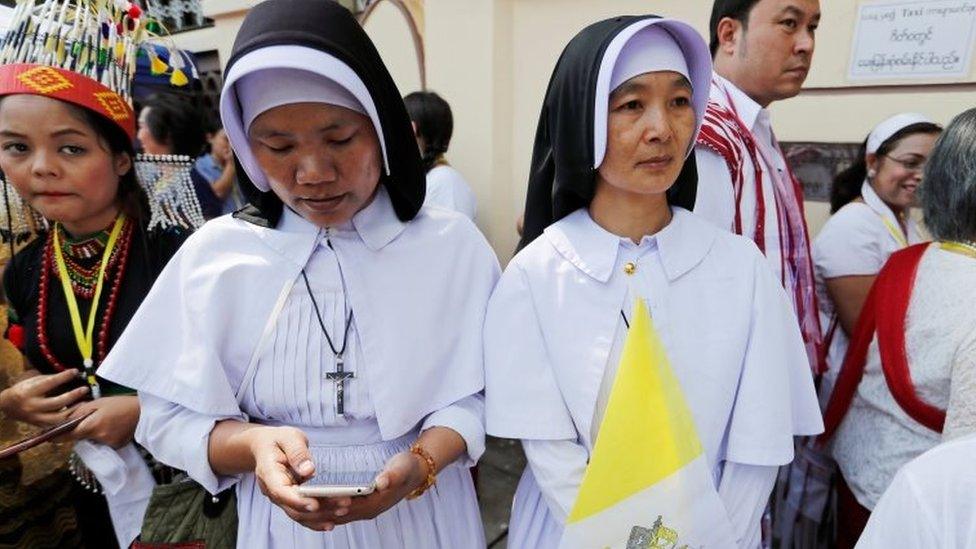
[
  {"x": 747, "y": 108},
  {"x": 682, "y": 244},
  {"x": 378, "y": 224}
]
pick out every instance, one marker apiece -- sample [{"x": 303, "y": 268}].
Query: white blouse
[
  {"x": 961, "y": 415},
  {"x": 855, "y": 241},
  {"x": 558, "y": 466},
  {"x": 447, "y": 188},
  {"x": 876, "y": 436}
]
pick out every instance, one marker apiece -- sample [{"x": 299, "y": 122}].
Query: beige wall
[{"x": 492, "y": 60}]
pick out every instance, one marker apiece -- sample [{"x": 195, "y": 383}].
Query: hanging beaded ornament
[{"x": 167, "y": 183}]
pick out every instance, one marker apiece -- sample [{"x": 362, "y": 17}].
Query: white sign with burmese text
[{"x": 913, "y": 40}]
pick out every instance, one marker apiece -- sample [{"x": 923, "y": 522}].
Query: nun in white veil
[
  {"x": 607, "y": 221},
  {"x": 332, "y": 330}
]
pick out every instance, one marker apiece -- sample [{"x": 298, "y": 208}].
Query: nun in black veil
[
  {"x": 607, "y": 226},
  {"x": 330, "y": 333}
]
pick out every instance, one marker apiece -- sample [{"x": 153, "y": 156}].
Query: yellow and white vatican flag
[{"x": 648, "y": 482}]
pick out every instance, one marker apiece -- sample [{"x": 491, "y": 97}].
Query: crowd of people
[{"x": 298, "y": 337}]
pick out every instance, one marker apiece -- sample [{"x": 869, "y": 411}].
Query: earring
[{"x": 872, "y": 174}]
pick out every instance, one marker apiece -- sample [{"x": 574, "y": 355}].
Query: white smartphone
[
  {"x": 337, "y": 485},
  {"x": 335, "y": 490}
]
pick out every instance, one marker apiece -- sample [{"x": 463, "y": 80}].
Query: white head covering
[
  {"x": 652, "y": 49},
  {"x": 259, "y": 92},
  {"x": 282, "y": 75},
  {"x": 883, "y": 131},
  {"x": 646, "y": 46}
]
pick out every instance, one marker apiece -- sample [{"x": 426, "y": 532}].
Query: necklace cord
[{"x": 318, "y": 316}]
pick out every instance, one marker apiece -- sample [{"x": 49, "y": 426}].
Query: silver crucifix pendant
[{"x": 339, "y": 377}]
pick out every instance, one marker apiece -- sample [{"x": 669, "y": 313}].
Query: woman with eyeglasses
[{"x": 869, "y": 203}]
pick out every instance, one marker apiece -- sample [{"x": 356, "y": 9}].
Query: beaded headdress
[{"x": 84, "y": 52}]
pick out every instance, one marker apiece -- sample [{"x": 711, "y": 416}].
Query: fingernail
[
  {"x": 306, "y": 468},
  {"x": 341, "y": 512},
  {"x": 310, "y": 507}
]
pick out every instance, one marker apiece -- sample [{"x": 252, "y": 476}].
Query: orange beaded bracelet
[{"x": 431, "y": 479}]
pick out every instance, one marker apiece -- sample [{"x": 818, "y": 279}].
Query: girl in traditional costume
[
  {"x": 105, "y": 228},
  {"x": 333, "y": 328},
  {"x": 607, "y": 225}
]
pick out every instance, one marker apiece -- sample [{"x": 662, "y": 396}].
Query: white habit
[
  {"x": 229, "y": 331},
  {"x": 553, "y": 336}
]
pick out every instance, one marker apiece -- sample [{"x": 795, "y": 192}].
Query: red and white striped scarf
[{"x": 724, "y": 133}]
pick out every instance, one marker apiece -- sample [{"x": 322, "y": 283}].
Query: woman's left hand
[
  {"x": 111, "y": 420},
  {"x": 404, "y": 473}
]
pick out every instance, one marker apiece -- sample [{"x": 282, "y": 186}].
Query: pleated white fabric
[
  {"x": 290, "y": 387},
  {"x": 290, "y": 383}
]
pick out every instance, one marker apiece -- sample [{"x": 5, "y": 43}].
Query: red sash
[{"x": 884, "y": 311}]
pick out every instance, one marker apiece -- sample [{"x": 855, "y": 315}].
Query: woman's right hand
[
  {"x": 27, "y": 400},
  {"x": 282, "y": 462}
]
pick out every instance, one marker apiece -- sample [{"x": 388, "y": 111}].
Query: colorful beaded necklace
[
  {"x": 121, "y": 253},
  {"x": 84, "y": 278}
]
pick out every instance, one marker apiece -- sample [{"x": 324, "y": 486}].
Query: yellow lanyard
[
  {"x": 85, "y": 339},
  {"x": 895, "y": 231},
  {"x": 963, "y": 248}
]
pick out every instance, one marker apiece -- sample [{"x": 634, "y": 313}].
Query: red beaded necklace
[{"x": 47, "y": 267}]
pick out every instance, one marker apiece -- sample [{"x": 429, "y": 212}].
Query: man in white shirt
[{"x": 762, "y": 51}]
